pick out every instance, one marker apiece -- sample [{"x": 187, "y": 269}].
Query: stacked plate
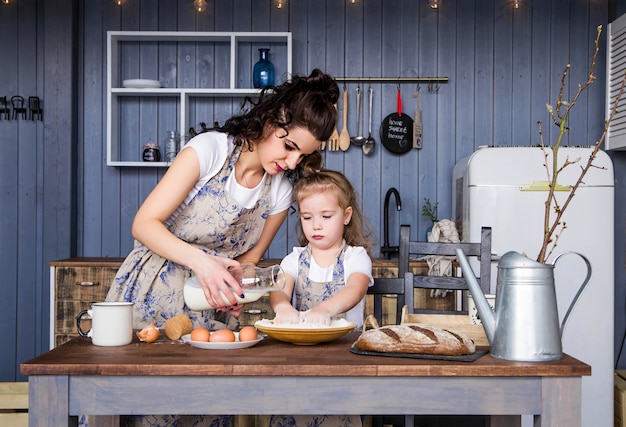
[{"x": 141, "y": 84}]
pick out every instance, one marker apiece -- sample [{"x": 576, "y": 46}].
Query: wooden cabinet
[
  {"x": 77, "y": 282},
  {"x": 74, "y": 284},
  {"x": 200, "y": 76}
]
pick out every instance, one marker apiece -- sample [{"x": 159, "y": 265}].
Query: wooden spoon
[{"x": 344, "y": 136}]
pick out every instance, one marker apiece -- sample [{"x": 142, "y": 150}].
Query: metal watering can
[{"x": 524, "y": 325}]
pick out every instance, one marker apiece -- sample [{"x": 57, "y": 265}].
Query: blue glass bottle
[{"x": 263, "y": 73}]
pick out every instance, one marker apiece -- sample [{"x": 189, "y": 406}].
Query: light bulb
[
  {"x": 6, "y": 1},
  {"x": 280, "y": 3},
  {"x": 119, "y": 2},
  {"x": 517, "y": 4},
  {"x": 353, "y": 1},
  {"x": 199, "y": 5},
  {"x": 434, "y": 3}
]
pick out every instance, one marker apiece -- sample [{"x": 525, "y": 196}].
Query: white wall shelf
[{"x": 191, "y": 67}]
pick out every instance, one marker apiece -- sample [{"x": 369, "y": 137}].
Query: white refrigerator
[{"x": 501, "y": 187}]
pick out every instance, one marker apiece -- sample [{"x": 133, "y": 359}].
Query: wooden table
[{"x": 281, "y": 378}]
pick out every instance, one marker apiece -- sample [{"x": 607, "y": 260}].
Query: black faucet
[{"x": 387, "y": 250}]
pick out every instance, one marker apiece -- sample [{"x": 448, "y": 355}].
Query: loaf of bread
[
  {"x": 415, "y": 339},
  {"x": 178, "y": 326}
]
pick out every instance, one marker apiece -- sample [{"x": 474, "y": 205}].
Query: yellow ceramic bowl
[{"x": 304, "y": 336}]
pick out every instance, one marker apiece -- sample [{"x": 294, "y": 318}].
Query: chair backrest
[
  {"x": 33, "y": 103},
  {"x": 409, "y": 249},
  {"x": 17, "y": 101},
  {"x": 3, "y": 102},
  {"x": 387, "y": 286}
]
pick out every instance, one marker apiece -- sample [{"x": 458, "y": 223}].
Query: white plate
[
  {"x": 141, "y": 84},
  {"x": 222, "y": 345}
]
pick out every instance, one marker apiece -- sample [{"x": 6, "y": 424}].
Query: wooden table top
[{"x": 273, "y": 358}]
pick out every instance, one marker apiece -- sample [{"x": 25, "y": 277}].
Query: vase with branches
[{"x": 553, "y": 224}]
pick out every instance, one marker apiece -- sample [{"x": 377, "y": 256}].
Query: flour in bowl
[{"x": 337, "y": 323}]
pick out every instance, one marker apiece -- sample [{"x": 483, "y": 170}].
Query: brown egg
[
  {"x": 248, "y": 333},
  {"x": 222, "y": 335},
  {"x": 200, "y": 334},
  {"x": 149, "y": 334}
]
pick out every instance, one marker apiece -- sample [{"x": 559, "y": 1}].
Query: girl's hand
[
  {"x": 287, "y": 314},
  {"x": 316, "y": 315}
]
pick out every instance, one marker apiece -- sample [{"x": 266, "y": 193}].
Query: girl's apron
[{"x": 308, "y": 294}]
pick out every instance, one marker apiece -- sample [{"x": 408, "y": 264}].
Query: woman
[{"x": 222, "y": 201}]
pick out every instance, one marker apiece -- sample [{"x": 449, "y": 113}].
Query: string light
[
  {"x": 280, "y": 4},
  {"x": 199, "y": 5},
  {"x": 434, "y": 3}
]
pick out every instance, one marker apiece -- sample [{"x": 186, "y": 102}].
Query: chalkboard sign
[{"x": 396, "y": 131}]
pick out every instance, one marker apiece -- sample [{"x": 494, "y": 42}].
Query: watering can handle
[{"x": 580, "y": 290}]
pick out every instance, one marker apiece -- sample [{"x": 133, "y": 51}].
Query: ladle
[
  {"x": 358, "y": 140},
  {"x": 368, "y": 146}
]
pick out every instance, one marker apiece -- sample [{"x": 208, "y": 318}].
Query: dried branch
[{"x": 553, "y": 227}]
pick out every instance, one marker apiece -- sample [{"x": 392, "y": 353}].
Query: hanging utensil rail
[{"x": 393, "y": 79}]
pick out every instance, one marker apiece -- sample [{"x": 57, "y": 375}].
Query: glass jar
[
  {"x": 263, "y": 73},
  {"x": 171, "y": 145},
  {"x": 151, "y": 153}
]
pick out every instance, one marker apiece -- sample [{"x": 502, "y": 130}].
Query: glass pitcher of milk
[{"x": 255, "y": 282}]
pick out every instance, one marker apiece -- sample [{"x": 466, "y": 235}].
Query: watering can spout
[{"x": 484, "y": 309}]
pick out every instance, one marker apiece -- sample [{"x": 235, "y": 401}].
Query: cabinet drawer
[
  {"x": 84, "y": 283},
  {"x": 65, "y": 316}
]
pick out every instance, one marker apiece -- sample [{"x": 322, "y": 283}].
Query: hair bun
[{"x": 324, "y": 84}]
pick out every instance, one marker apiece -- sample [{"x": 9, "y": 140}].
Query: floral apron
[
  {"x": 214, "y": 222},
  {"x": 307, "y": 294}
]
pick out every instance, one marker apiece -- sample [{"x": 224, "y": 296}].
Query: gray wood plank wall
[{"x": 59, "y": 198}]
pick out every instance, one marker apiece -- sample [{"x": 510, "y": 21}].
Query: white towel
[{"x": 443, "y": 231}]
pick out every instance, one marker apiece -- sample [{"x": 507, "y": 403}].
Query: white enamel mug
[{"x": 111, "y": 323}]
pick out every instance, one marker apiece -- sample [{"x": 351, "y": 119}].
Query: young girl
[{"x": 328, "y": 277}]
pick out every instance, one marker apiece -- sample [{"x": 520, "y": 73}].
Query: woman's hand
[{"x": 218, "y": 284}]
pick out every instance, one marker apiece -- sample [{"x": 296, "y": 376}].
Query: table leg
[
  {"x": 560, "y": 402},
  {"x": 48, "y": 401}
]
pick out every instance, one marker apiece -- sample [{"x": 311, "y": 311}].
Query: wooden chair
[
  {"x": 413, "y": 249},
  {"x": 410, "y": 249},
  {"x": 4, "y": 108}
]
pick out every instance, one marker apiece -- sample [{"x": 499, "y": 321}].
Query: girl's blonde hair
[{"x": 358, "y": 232}]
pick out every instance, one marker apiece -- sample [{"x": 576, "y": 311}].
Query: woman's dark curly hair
[{"x": 305, "y": 102}]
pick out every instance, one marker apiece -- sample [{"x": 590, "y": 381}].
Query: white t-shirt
[
  {"x": 212, "y": 149},
  {"x": 355, "y": 260}
]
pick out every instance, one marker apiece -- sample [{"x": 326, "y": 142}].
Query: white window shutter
[{"x": 615, "y": 69}]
